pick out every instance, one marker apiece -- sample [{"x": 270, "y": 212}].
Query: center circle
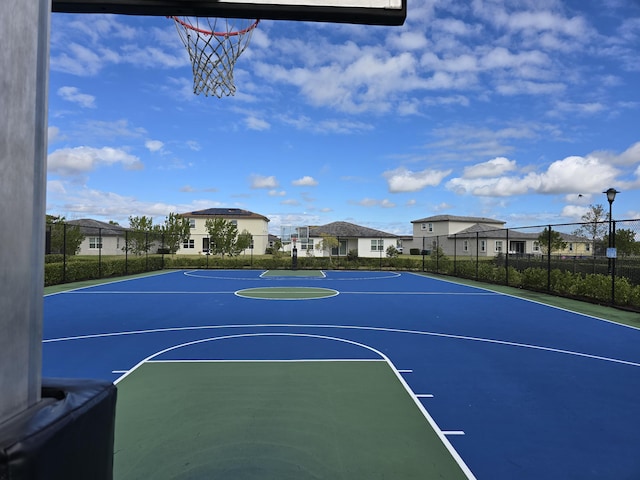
[{"x": 287, "y": 293}]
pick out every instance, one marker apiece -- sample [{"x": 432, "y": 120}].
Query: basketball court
[{"x": 262, "y": 374}]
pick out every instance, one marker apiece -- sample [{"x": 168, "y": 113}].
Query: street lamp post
[{"x": 611, "y": 196}]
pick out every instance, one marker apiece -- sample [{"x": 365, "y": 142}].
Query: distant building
[
  {"x": 366, "y": 242},
  {"x": 484, "y": 237},
  {"x": 100, "y": 238},
  {"x": 257, "y": 225}
]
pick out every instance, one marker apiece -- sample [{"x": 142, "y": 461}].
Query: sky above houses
[{"x": 519, "y": 110}]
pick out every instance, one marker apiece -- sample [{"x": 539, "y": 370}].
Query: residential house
[
  {"x": 364, "y": 241},
  {"x": 100, "y": 238},
  {"x": 257, "y": 225},
  {"x": 480, "y": 236}
]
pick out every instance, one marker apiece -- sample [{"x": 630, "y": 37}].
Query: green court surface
[
  {"x": 274, "y": 420},
  {"x": 287, "y": 293}
]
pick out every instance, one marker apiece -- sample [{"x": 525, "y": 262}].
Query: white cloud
[
  {"x": 254, "y": 123},
  {"x": 492, "y": 168},
  {"x": 260, "y": 181},
  {"x": 277, "y": 193},
  {"x": 78, "y": 160},
  {"x": 52, "y": 134},
  {"x": 305, "y": 181},
  {"x": 403, "y": 180},
  {"x": 154, "y": 145},
  {"x": 290, "y": 202},
  {"x": 571, "y": 175},
  {"x": 72, "y": 94}
]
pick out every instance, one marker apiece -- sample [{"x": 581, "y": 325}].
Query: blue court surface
[{"x": 518, "y": 389}]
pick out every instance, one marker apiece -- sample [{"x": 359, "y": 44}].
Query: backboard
[{"x": 368, "y": 12}]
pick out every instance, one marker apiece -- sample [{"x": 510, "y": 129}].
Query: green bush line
[{"x": 565, "y": 279}]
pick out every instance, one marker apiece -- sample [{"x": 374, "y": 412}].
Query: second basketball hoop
[{"x": 214, "y": 45}]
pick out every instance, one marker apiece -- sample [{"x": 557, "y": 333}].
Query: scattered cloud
[
  {"x": 72, "y": 94},
  {"x": 259, "y": 181},
  {"x": 154, "y": 145},
  {"x": 305, "y": 181},
  {"x": 404, "y": 180},
  {"x": 79, "y": 160}
]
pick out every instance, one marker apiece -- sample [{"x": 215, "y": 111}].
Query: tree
[
  {"x": 392, "y": 252},
  {"x": 62, "y": 237},
  {"x": 595, "y": 226},
  {"x": 175, "y": 231},
  {"x": 138, "y": 241},
  {"x": 625, "y": 241},
  {"x": 223, "y": 236},
  {"x": 327, "y": 243},
  {"x": 556, "y": 243},
  {"x": 244, "y": 241}
]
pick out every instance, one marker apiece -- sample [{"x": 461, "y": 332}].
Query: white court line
[
  {"x": 453, "y": 432},
  {"x": 271, "y": 360},
  {"x": 424, "y": 395},
  {"x": 405, "y": 371},
  {"x": 526, "y": 300},
  {"x": 350, "y": 327},
  {"x": 452, "y": 451}
]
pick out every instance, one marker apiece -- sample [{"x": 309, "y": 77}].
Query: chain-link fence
[{"x": 597, "y": 262}]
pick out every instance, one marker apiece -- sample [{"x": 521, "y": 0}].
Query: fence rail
[{"x": 597, "y": 262}]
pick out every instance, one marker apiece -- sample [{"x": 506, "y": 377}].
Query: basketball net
[{"x": 214, "y": 45}]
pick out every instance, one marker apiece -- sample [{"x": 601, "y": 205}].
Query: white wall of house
[
  {"x": 257, "y": 227},
  {"x": 111, "y": 245}
]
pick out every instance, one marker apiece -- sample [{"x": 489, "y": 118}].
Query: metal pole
[
  {"x": 506, "y": 260},
  {"x": 549, "y": 258},
  {"x": 613, "y": 267}
]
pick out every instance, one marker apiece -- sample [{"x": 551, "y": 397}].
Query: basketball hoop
[{"x": 214, "y": 45}]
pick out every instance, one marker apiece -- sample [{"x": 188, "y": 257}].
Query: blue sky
[{"x": 508, "y": 109}]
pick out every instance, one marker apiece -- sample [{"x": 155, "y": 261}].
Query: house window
[
  {"x": 430, "y": 227},
  {"x": 587, "y": 247},
  {"x": 190, "y": 243},
  {"x": 306, "y": 244},
  {"x": 571, "y": 247},
  {"x": 498, "y": 245},
  {"x": 377, "y": 245},
  {"x": 423, "y": 226},
  {"x": 465, "y": 245},
  {"x": 95, "y": 242},
  {"x": 536, "y": 246},
  {"x": 192, "y": 223},
  {"x": 483, "y": 245},
  {"x": 234, "y": 222}
]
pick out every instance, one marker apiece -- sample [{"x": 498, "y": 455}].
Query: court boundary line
[
  {"x": 72, "y": 290},
  {"x": 351, "y": 327},
  {"x": 432, "y": 423},
  {"x": 426, "y": 275},
  {"x": 386, "y": 276}
]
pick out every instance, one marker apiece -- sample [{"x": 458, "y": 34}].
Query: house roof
[
  {"x": 488, "y": 231},
  {"x": 89, "y": 226},
  {"x": 346, "y": 229},
  {"x": 455, "y": 218},
  {"x": 224, "y": 213}
]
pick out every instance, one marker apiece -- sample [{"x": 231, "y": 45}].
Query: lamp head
[{"x": 611, "y": 194}]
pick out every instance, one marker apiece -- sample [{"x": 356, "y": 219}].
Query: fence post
[
  {"x": 99, "y": 252},
  {"x": 477, "y": 255},
  {"x": 548, "y": 258},
  {"x": 126, "y": 252},
  {"x": 455, "y": 249},
  {"x": 613, "y": 265},
  {"x": 506, "y": 260},
  {"x": 64, "y": 252},
  {"x": 438, "y": 254}
]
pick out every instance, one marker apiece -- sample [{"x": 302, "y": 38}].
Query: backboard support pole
[{"x": 24, "y": 76}]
